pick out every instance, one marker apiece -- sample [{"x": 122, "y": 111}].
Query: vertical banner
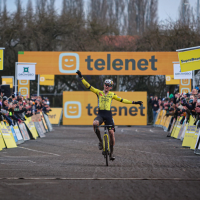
[
  {"x": 8, "y": 80},
  {"x": 184, "y": 86},
  {"x": 24, "y": 87},
  {"x": 1, "y": 58},
  {"x": 47, "y": 80}
]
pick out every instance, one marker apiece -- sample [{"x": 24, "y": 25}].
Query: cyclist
[{"x": 105, "y": 98}]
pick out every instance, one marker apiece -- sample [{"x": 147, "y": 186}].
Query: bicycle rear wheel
[{"x": 106, "y": 150}]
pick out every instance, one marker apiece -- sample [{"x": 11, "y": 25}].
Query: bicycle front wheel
[{"x": 106, "y": 150}]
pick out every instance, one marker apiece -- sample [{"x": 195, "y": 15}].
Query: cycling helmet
[{"x": 108, "y": 81}]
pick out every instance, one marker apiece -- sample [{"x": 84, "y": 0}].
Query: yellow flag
[
  {"x": 47, "y": 80},
  {"x": 7, "y": 81},
  {"x": 189, "y": 60},
  {"x": 1, "y": 58},
  {"x": 170, "y": 80}
]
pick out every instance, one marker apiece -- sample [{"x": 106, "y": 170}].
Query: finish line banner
[
  {"x": 80, "y": 108},
  {"x": 101, "y": 63},
  {"x": 189, "y": 59}
]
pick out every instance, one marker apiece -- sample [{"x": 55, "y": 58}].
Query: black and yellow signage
[{"x": 1, "y": 58}]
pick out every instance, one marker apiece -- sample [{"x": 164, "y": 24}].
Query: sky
[
  {"x": 166, "y": 8},
  {"x": 170, "y": 9}
]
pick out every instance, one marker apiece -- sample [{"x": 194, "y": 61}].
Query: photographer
[{"x": 155, "y": 106}]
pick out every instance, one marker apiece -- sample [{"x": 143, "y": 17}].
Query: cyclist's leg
[
  {"x": 96, "y": 130},
  {"x": 112, "y": 136},
  {"x": 112, "y": 143},
  {"x": 98, "y": 121}
]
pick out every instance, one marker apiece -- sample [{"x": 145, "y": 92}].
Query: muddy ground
[{"x": 67, "y": 164}]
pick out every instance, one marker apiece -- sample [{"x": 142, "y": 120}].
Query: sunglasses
[{"x": 108, "y": 85}]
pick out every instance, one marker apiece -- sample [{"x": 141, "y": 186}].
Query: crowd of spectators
[
  {"x": 178, "y": 105},
  {"x": 16, "y": 108}
]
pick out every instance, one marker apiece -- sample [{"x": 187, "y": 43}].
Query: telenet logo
[
  {"x": 168, "y": 78},
  {"x": 68, "y": 62},
  {"x": 23, "y": 91},
  {"x": 23, "y": 82},
  {"x": 72, "y": 109},
  {"x": 42, "y": 79},
  {"x": 185, "y": 90},
  {"x": 185, "y": 82}
]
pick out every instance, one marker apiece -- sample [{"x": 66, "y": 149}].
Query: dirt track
[{"x": 68, "y": 165}]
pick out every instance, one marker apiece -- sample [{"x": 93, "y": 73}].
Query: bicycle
[{"x": 106, "y": 143}]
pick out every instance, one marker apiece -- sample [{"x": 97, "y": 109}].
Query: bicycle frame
[
  {"x": 106, "y": 135},
  {"x": 106, "y": 143}
]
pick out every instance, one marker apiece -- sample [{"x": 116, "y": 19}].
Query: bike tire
[{"x": 106, "y": 150}]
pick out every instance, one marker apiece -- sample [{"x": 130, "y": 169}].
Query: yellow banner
[
  {"x": 170, "y": 80},
  {"x": 189, "y": 60},
  {"x": 101, "y": 63},
  {"x": 7, "y": 81},
  {"x": 47, "y": 80},
  {"x": 1, "y": 59},
  {"x": 80, "y": 108},
  {"x": 185, "y": 86},
  {"x": 55, "y": 115},
  {"x": 8, "y": 137},
  {"x": 24, "y": 87}
]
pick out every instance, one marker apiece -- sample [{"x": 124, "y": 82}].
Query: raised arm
[
  {"x": 87, "y": 85},
  {"x": 126, "y": 101}
]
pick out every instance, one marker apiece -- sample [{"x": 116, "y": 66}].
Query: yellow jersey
[{"x": 104, "y": 101}]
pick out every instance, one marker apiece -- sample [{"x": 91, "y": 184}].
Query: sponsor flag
[
  {"x": 26, "y": 71},
  {"x": 181, "y": 75},
  {"x": 170, "y": 80},
  {"x": 47, "y": 80},
  {"x": 8, "y": 80},
  {"x": 189, "y": 58},
  {"x": 1, "y": 58}
]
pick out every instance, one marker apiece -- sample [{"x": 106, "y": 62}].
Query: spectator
[{"x": 155, "y": 106}]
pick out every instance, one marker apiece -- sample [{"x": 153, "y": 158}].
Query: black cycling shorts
[{"x": 105, "y": 116}]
